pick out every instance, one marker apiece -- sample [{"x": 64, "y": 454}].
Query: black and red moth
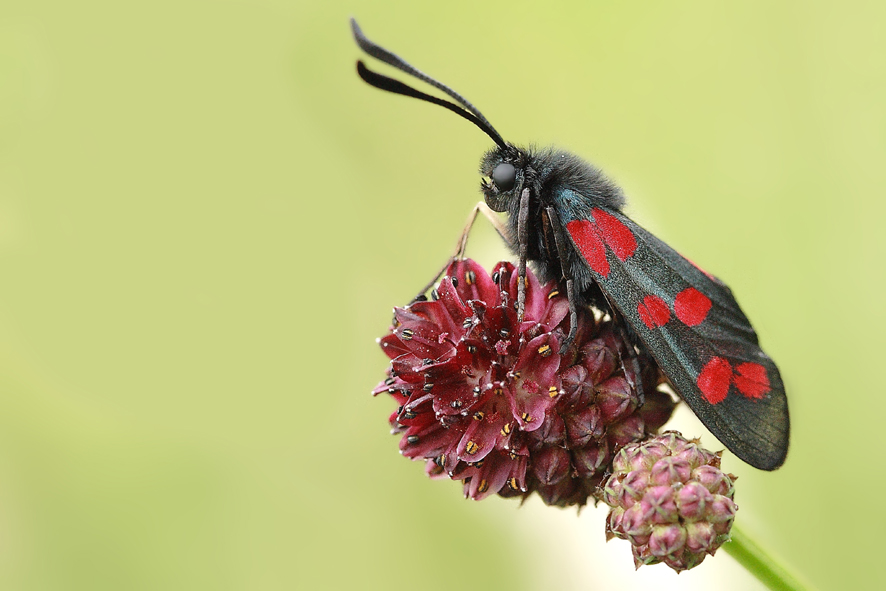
[{"x": 565, "y": 218}]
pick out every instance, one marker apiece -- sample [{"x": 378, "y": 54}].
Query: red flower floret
[{"x": 494, "y": 402}]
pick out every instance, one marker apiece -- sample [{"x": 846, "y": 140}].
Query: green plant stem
[{"x": 754, "y": 558}]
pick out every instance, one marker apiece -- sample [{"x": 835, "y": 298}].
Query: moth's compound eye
[{"x": 504, "y": 176}]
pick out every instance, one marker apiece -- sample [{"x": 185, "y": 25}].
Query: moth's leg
[
  {"x": 633, "y": 368},
  {"x": 562, "y": 254},
  {"x": 500, "y": 228},
  {"x": 496, "y": 222},
  {"x": 523, "y": 243}
]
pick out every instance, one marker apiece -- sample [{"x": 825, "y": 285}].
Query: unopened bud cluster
[{"x": 670, "y": 499}]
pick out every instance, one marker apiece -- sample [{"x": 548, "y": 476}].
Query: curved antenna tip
[{"x": 389, "y": 84}]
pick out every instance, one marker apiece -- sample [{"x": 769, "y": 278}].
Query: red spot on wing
[
  {"x": 751, "y": 380},
  {"x": 691, "y": 306},
  {"x": 716, "y": 377},
  {"x": 714, "y": 380},
  {"x": 590, "y": 245},
  {"x": 619, "y": 238},
  {"x": 653, "y": 311}
]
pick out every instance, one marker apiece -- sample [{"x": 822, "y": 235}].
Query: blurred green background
[{"x": 205, "y": 218}]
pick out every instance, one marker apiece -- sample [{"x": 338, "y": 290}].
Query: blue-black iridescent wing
[{"x": 692, "y": 325}]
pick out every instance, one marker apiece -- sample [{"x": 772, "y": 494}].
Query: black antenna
[{"x": 469, "y": 112}]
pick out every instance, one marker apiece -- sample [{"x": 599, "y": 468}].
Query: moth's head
[{"x": 502, "y": 170}]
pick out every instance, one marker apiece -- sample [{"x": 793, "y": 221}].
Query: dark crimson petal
[
  {"x": 434, "y": 470},
  {"x": 492, "y": 476},
  {"x": 407, "y": 314},
  {"x": 556, "y": 310},
  {"x": 391, "y": 386},
  {"x": 400, "y": 396},
  {"x": 450, "y": 460},
  {"x": 474, "y": 357},
  {"x": 407, "y": 368},
  {"x": 504, "y": 270},
  {"x": 518, "y": 444},
  {"x": 494, "y": 322},
  {"x": 421, "y": 404},
  {"x": 427, "y": 441},
  {"x": 450, "y": 299},
  {"x": 517, "y": 475},
  {"x": 478, "y": 440},
  {"x": 454, "y": 399},
  {"x": 539, "y": 362},
  {"x": 530, "y": 410},
  {"x": 421, "y": 337},
  {"x": 474, "y": 283},
  {"x": 446, "y": 370},
  {"x": 439, "y": 315},
  {"x": 519, "y": 417},
  {"x": 392, "y": 346}
]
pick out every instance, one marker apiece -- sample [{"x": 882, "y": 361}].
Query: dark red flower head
[{"x": 495, "y": 403}]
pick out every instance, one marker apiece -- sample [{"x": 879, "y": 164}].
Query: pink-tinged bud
[
  {"x": 614, "y": 522},
  {"x": 491, "y": 400},
  {"x": 662, "y": 504},
  {"x": 714, "y": 480},
  {"x": 670, "y": 470},
  {"x": 693, "y": 500},
  {"x": 722, "y": 510},
  {"x": 667, "y": 540},
  {"x": 635, "y": 524},
  {"x": 643, "y": 555},
  {"x": 635, "y": 484},
  {"x": 670, "y": 500},
  {"x": 613, "y": 493},
  {"x": 700, "y": 536}
]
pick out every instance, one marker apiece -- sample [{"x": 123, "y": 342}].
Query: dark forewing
[{"x": 692, "y": 325}]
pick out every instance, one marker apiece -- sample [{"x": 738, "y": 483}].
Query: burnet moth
[{"x": 565, "y": 217}]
